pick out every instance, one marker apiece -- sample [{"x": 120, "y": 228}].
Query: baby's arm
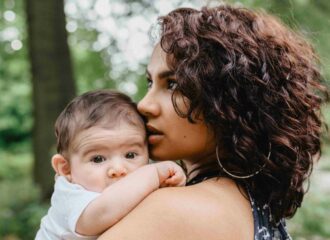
[{"x": 120, "y": 198}]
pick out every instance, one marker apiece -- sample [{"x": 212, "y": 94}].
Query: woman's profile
[{"x": 235, "y": 95}]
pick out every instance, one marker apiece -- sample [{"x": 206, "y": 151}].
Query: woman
[{"x": 232, "y": 93}]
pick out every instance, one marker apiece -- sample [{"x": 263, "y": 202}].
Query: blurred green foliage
[
  {"x": 312, "y": 220},
  {"x": 93, "y": 67},
  {"x": 20, "y": 207},
  {"x": 15, "y": 87}
]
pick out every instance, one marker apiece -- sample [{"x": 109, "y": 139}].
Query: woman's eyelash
[
  {"x": 149, "y": 82},
  {"x": 171, "y": 84}
]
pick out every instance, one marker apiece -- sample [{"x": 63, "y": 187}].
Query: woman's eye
[
  {"x": 171, "y": 84},
  {"x": 149, "y": 83},
  {"x": 98, "y": 159},
  {"x": 130, "y": 155}
]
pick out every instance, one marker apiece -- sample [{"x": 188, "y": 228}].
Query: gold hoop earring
[{"x": 244, "y": 176}]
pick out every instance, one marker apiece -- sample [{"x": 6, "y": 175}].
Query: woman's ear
[{"x": 61, "y": 166}]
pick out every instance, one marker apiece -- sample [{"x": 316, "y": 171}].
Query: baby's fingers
[{"x": 176, "y": 181}]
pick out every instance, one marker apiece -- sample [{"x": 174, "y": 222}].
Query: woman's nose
[
  {"x": 117, "y": 171},
  {"x": 148, "y": 106}
]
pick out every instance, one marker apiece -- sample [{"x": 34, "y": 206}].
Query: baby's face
[{"x": 102, "y": 156}]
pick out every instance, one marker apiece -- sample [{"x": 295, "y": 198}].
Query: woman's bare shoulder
[{"x": 196, "y": 212}]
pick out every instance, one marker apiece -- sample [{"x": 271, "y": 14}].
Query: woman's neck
[
  {"x": 194, "y": 166},
  {"x": 190, "y": 169}
]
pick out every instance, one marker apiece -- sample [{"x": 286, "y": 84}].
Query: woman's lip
[
  {"x": 152, "y": 130},
  {"x": 154, "y": 135},
  {"x": 155, "y": 138}
]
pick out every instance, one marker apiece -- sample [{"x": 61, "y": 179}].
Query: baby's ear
[{"x": 61, "y": 166}]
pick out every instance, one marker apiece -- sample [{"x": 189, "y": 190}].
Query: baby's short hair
[{"x": 99, "y": 107}]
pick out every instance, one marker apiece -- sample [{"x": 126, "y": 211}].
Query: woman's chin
[{"x": 157, "y": 154}]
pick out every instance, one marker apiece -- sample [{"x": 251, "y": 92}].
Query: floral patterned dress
[{"x": 263, "y": 230}]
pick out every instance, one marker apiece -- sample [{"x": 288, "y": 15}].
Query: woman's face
[{"x": 171, "y": 137}]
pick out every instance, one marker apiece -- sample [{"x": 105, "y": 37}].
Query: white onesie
[{"x": 67, "y": 203}]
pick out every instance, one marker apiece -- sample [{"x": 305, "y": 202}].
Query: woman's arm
[{"x": 188, "y": 213}]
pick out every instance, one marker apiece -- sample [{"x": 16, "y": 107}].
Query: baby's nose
[{"x": 116, "y": 172}]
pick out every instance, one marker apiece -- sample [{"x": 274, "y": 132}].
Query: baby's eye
[
  {"x": 98, "y": 159},
  {"x": 130, "y": 155},
  {"x": 171, "y": 84}
]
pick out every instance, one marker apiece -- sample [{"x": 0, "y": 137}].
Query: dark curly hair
[{"x": 258, "y": 86}]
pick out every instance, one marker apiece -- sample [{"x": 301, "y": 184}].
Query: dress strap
[{"x": 202, "y": 177}]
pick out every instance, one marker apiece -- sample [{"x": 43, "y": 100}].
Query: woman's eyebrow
[
  {"x": 166, "y": 74},
  {"x": 163, "y": 74}
]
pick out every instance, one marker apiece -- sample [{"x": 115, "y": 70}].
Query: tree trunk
[{"x": 52, "y": 80}]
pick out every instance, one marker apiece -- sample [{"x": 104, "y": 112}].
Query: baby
[{"x": 102, "y": 167}]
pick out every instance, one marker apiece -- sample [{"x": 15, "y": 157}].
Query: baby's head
[{"x": 100, "y": 138}]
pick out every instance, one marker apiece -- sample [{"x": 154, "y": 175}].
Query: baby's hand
[{"x": 170, "y": 174}]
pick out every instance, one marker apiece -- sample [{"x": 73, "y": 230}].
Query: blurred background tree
[
  {"x": 47, "y": 57},
  {"x": 52, "y": 80}
]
